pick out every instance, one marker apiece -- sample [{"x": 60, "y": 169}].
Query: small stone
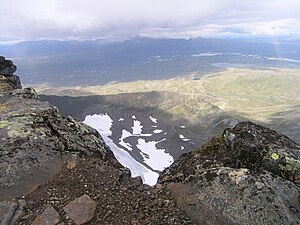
[
  {"x": 81, "y": 210},
  {"x": 158, "y": 186},
  {"x": 259, "y": 185},
  {"x": 48, "y": 217}
]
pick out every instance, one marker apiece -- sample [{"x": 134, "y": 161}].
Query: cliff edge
[{"x": 35, "y": 139}]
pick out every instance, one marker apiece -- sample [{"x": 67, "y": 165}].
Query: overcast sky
[{"x": 85, "y": 19}]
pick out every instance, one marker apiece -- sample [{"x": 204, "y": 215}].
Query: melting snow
[
  {"x": 125, "y": 134},
  {"x": 103, "y": 123},
  {"x": 157, "y": 159},
  {"x": 157, "y": 131},
  {"x": 137, "y": 127},
  {"x": 154, "y": 120},
  {"x": 183, "y": 138}
]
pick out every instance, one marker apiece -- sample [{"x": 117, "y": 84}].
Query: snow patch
[
  {"x": 137, "y": 127},
  {"x": 154, "y": 120},
  {"x": 121, "y": 119},
  {"x": 157, "y": 131},
  {"x": 157, "y": 159},
  {"x": 103, "y": 123},
  {"x": 183, "y": 138},
  {"x": 125, "y": 134}
]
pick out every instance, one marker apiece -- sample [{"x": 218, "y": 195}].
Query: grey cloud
[{"x": 120, "y": 18}]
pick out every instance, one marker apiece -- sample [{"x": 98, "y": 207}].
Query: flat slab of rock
[
  {"x": 7, "y": 210},
  {"x": 81, "y": 210},
  {"x": 48, "y": 217}
]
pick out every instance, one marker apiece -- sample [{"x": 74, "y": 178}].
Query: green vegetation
[
  {"x": 265, "y": 96},
  {"x": 248, "y": 93}
]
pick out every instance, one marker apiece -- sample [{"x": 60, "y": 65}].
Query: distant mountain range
[{"x": 68, "y": 63}]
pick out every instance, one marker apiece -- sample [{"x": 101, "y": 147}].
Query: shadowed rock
[
  {"x": 247, "y": 176},
  {"x": 7, "y": 67}
]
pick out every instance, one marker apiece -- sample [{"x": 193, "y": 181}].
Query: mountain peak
[{"x": 53, "y": 169}]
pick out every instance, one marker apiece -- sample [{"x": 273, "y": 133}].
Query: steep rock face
[
  {"x": 7, "y": 67},
  {"x": 247, "y": 176},
  {"x": 35, "y": 139}
]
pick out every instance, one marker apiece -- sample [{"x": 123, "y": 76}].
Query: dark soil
[{"x": 120, "y": 199}]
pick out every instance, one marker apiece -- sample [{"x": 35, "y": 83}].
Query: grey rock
[
  {"x": 7, "y": 210},
  {"x": 7, "y": 67},
  {"x": 11, "y": 212},
  {"x": 257, "y": 147},
  {"x": 34, "y": 137},
  {"x": 234, "y": 181},
  {"x": 48, "y": 217}
]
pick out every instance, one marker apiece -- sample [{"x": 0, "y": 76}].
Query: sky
[{"x": 113, "y": 19}]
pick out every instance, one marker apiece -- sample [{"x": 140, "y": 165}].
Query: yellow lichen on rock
[
  {"x": 3, "y": 123},
  {"x": 17, "y": 129},
  {"x": 3, "y": 107}
]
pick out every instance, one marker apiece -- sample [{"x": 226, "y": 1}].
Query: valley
[{"x": 187, "y": 112}]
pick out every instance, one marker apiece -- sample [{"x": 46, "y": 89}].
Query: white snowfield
[
  {"x": 157, "y": 159},
  {"x": 137, "y": 127}
]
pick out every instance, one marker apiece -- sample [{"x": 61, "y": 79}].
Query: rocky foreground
[{"x": 56, "y": 170}]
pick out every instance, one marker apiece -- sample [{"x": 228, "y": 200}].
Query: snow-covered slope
[{"x": 139, "y": 146}]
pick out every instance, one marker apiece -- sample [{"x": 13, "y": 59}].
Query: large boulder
[
  {"x": 249, "y": 175},
  {"x": 36, "y": 139}
]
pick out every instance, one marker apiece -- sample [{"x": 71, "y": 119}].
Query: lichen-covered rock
[
  {"x": 257, "y": 147},
  {"x": 34, "y": 137},
  {"x": 9, "y": 83},
  {"x": 247, "y": 176}
]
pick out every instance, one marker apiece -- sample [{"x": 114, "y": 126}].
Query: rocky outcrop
[
  {"x": 35, "y": 139},
  {"x": 7, "y": 67},
  {"x": 247, "y": 176}
]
